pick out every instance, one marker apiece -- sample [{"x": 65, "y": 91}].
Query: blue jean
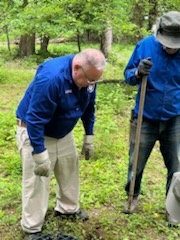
[{"x": 168, "y": 135}]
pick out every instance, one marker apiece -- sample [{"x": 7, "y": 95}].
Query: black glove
[{"x": 144, "y": 67}]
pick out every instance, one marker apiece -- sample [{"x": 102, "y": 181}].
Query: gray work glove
[
  {"x": 88, "y": 146},
  {"x": 144, "y": 67},
  {"x": 42, "y": 164}
]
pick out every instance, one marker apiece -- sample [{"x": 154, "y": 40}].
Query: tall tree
[
  {"x": 106, "y": 41},
  {"x": 27, "y": 40},
  {"x": 74, "y": 18},
  {"x": 153, "y": 13},
  {"x": 6, "y": 17}
]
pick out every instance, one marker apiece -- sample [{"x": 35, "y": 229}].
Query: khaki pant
[{"x": 35, "y": 189}]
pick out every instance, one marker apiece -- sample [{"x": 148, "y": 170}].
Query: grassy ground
[{"x": 102, "y": 178}]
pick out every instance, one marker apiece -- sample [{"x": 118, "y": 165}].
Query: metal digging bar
[{"x": 137, "y": 142}]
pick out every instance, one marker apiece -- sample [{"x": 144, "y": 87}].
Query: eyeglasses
[{"x": 90, "y": 81}]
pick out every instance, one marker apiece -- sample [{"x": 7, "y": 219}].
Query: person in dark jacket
[
  {"x": 158, "y": 57},
  {"x": 62, "y": 92}
]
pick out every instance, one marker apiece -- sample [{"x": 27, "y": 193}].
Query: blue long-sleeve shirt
[
  {"x": 52, "y": 103},
  {"x": 162, "y": 99}
]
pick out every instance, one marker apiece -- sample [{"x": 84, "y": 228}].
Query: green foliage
[
  {"x": 6, "y": 55},
  {"x": 117, "y": 61},
  {"x": 63, "y": 18},
  {"x": 102, "y": 178},
  {"x": 169, "y": 5},
  {"x": 62, "y": 49},
  {"x": 10, "y": 169},
  {"x": 13, "y": 76},
  {"x": 7, "y": 129}
]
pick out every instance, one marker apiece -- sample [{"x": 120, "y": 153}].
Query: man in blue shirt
[
  {"x": 62, "y": 92},
  {"x": 158, "y": 57}
]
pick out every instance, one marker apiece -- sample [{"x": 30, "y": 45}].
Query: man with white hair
[
  {"x": 157, "y": 57},
  {"x": 62, "y": 92}
]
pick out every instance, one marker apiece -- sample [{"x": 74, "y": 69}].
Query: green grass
[{"x": 102, "y": 178}]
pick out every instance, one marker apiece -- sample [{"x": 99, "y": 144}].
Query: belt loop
[{"x": 20, "y": 123}]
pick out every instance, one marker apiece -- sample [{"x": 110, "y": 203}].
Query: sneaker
[
  {"x": 133, "y": 206},
  {"x": 80, "y": 214},
  {"x": 37, "y": 236},
  {"x": 31, "y": 236},
  {"x": 171, "y": 221},
  {"x": 64, "y": 237}
]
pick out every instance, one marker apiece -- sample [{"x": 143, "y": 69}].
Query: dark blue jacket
[
  {"x": 52, "y": 103},
  {"x": 162, "y": 100}
]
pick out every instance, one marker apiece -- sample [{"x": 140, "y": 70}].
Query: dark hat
[
  {"x": 173, "y": 198},
  {"x": 168, "y": 29}
]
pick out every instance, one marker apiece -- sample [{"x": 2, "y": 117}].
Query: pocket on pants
[{"x": 22, "y": 137}]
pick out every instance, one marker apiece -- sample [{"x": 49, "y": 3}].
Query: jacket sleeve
[
  {"x": 88, "y": 117},
  {"x": 131, "y": 68},
  {"x": 41, "y": 108}
]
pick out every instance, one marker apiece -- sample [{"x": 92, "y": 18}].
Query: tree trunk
[
  {"x": 78, "y": 41},
  {"x": 44, "y": 44},
  {"x": 106, "y": 41},
  {"x": 138, "y": 14},
  {"x": 27, "y": 45},
  {"x": 27, "y": 42},
  {"x": 153, "y": 13},
  {"x": 7, "y": 37},
  {"x": 88, "y": 35}
]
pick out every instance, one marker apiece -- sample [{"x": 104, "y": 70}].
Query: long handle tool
[{"x": 137, "y": 142}]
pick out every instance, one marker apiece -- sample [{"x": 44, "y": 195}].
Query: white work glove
[
  {"x": 42, "y": 164},
  {"x": 87, "y": 148}
]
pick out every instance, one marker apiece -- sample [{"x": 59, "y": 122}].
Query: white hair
[{"x": 92, "y": 57}]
